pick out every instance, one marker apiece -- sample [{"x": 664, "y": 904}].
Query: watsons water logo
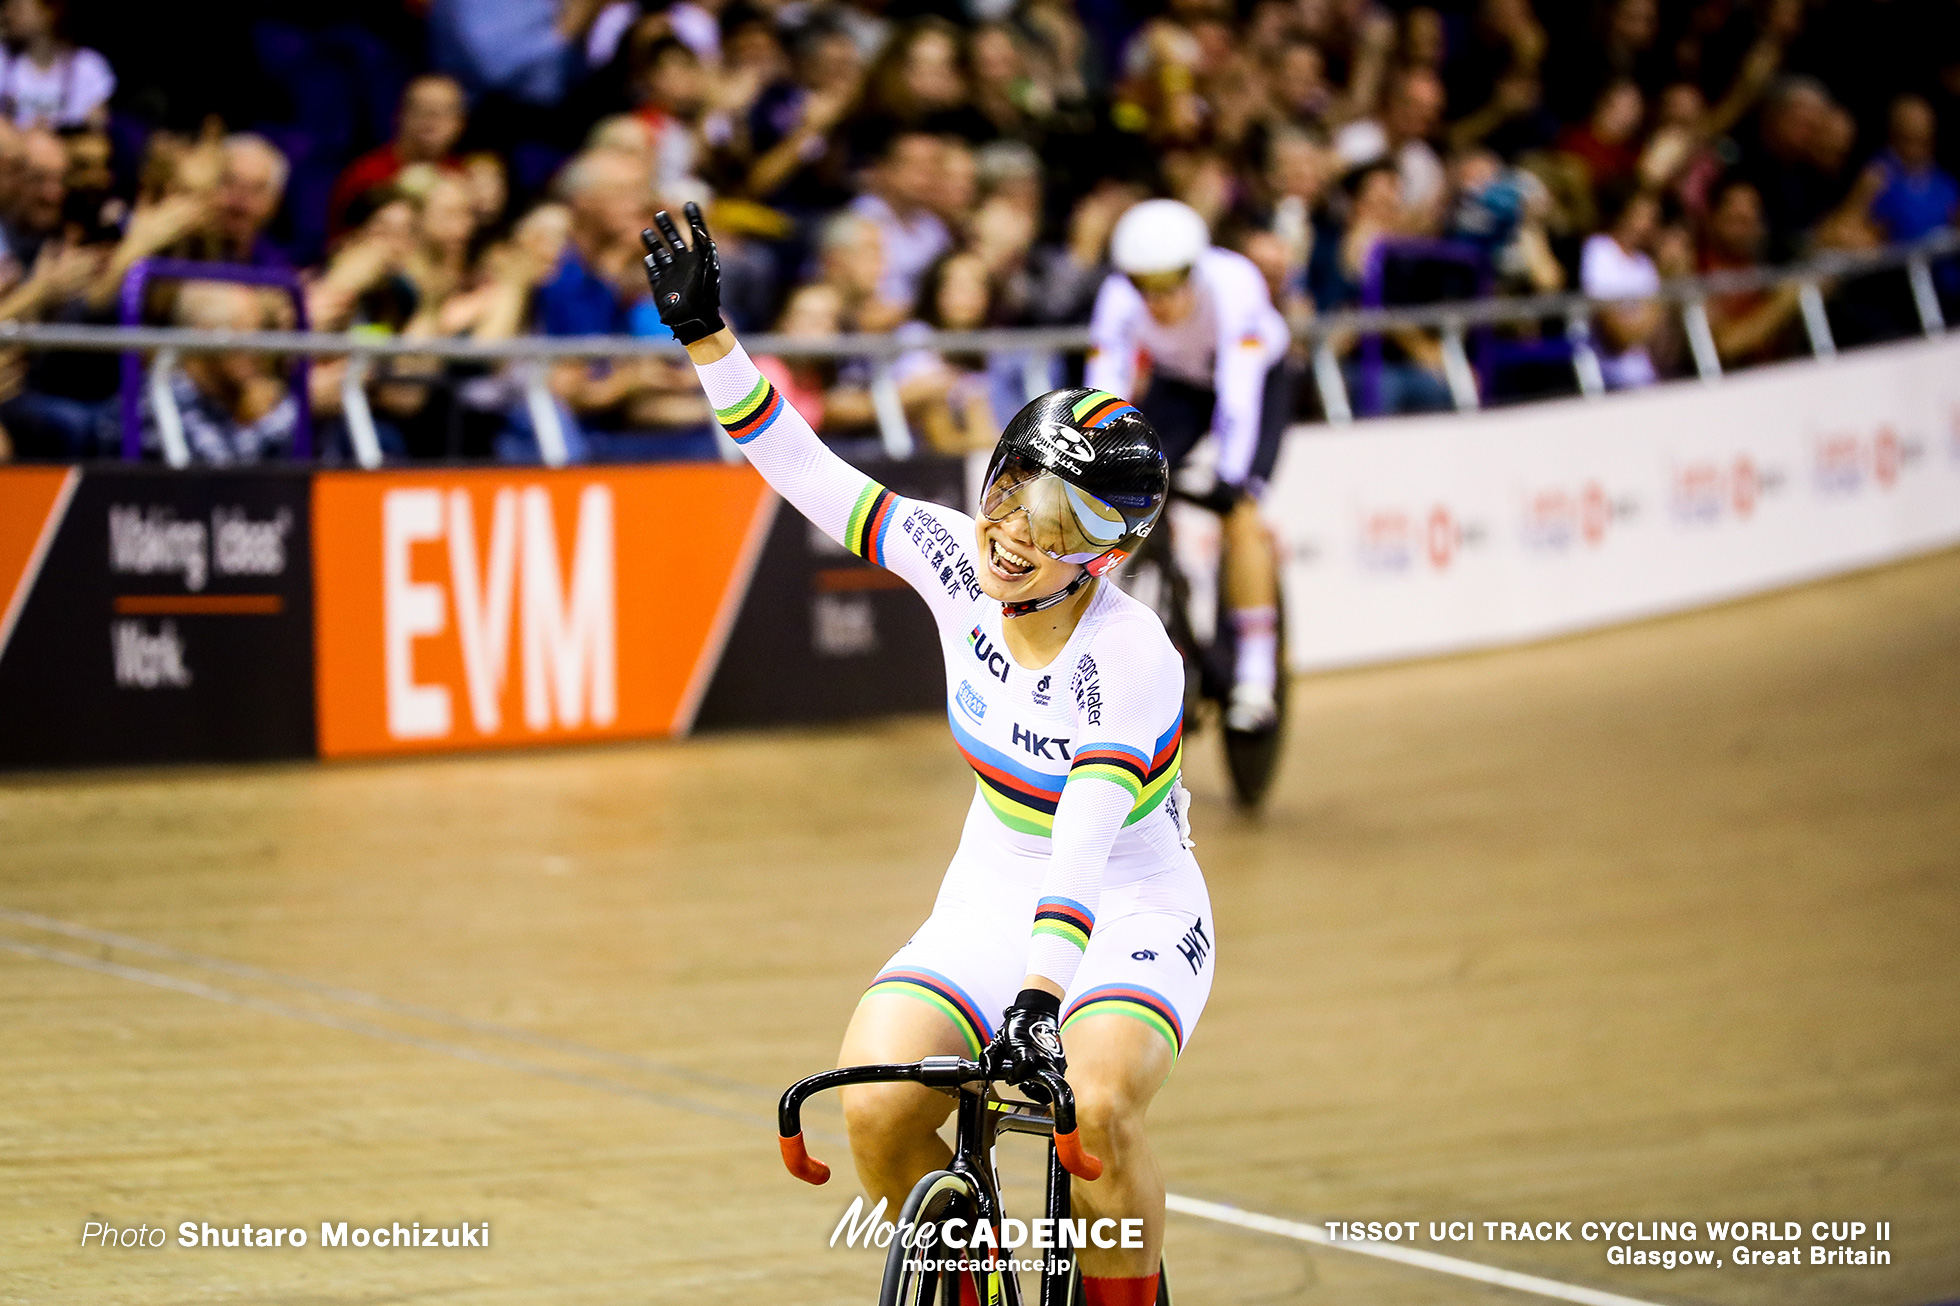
[{"x": 153, "y": 542}]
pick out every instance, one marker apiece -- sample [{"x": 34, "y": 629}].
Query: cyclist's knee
[
  {"x": 1107, "y": 1114},
  {"x": 889, "y": 1119}
]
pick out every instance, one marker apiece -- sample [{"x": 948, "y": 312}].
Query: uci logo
[
  {"x": 1072, "y": 444},
  {"x": 989, "y": 654}
]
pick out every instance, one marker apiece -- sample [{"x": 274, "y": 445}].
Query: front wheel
[{"x": 911, "y": 1274}]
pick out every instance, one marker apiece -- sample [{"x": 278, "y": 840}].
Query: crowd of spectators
[{"x": 894, "y": 166}]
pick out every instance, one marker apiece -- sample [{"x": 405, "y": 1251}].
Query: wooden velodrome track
[{"x": 1655, "y": 923}]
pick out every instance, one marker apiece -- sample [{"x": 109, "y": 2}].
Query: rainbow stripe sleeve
[
  {"x": 1066, "y": 919},
  {"x": 870, "y": 520},
  {"x": 1146, "y": 779},
  {"x": 1124, "y": 767},
  {"x": 752, "y": 414}
]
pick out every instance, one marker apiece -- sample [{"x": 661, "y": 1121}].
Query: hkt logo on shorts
[
  {"x": 989, "y": 654},
  {"x": 464, "y": 609}
]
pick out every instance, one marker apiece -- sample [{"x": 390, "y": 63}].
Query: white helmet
[{"x": 1158, "y": 236}]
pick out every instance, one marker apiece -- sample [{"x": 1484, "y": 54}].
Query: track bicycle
[
  {"x": 950, "y": 1202},
  {"x": 1157, "y": 578}
]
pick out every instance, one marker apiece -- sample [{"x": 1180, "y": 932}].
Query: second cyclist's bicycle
[{"x": 1202, "y": 632}]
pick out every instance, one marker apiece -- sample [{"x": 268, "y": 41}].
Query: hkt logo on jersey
[
  {"x": 1392, "y": 539},
  {"x": 465, "y": 609},
  {"x": 989, "y": 654}
]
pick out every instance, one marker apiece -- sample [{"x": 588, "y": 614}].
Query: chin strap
[{"x": 1023, "y": 608}]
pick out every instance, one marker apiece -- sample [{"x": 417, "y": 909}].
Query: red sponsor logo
[
  {"x": 1555, "y": 520},
  {"x": 1885, "y": 457},
  {"x": 1708, "y": 491},
  {"x": 1393, "y": 539}
]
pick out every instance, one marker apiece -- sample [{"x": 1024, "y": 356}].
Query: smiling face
[{"x": 1012, "y": 570}]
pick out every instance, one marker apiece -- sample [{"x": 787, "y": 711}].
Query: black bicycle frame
[{"x": 979, "y": 1120}]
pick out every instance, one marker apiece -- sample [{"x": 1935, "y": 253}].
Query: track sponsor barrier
[
  {"x": 151, "y": 616},
  {"x": 1429, "y": 535}
]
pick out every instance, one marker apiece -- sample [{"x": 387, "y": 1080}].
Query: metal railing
[{"x": 1689, "y": 297}]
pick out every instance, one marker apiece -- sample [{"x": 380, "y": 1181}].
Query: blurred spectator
[
  {"x": 249, "y": 192},
  {"x": 947, "y": 394},
  {"x": 626, "y": 408},
  {"x": 918, "y": 84},
  {"x": 904, "y": 186},
  {"x": 45, "y": 79},
  {"x": 1607, "y": 143},
  {"x": 1912, "y": 195},
  {"x": 1401, "y": 136},
  {"x": 1789, "y": 165},
  {"x": 489, "y": 184},
  {"x": 530, "y": 50},
  {"x": 673, "y": 96},
  {"x": 801, "y": 161},
  {"x": 233, "y": 407},
  {"x": 427, "y": 128},
  {"x": 1410, "y": 379},
  {"x": 851, "y": 252},
  {"x": 1501, "y": 211},
  {"x": 1616, "y": 265},
  {"x": 1749, "y": 326},
  {"x": 814, "y": 312},
  {"x": 1299, "y": 82},
  {"x": 38, "y": 198}
]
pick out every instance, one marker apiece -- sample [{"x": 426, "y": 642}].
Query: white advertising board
[{"x": 1413, "y": 536}]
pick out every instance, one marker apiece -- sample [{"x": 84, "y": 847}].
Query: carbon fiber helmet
[{"x": 1090, "y": 474}]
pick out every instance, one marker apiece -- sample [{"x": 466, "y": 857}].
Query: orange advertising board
[
  {"x": 481, "y": 609},
  {"x": 32, "y": 501}
]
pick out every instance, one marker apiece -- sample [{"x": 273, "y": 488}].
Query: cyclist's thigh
[
  {"x": 1150, "y": 959},
  {"x": 954, "y": 976},
  {"x": 1180, "y": 413}
]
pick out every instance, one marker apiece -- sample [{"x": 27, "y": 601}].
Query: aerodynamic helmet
[
  {"x": 1090, "y": 474},
  {"x": 1158, "y": 236}
]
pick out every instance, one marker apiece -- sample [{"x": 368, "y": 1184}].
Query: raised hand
[{"x": 685, "y": 279}]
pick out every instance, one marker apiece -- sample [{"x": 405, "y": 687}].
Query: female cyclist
[{"x": 1072, "y": 930}]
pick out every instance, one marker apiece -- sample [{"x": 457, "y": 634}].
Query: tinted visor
[{"x": 1063, "y": 521}]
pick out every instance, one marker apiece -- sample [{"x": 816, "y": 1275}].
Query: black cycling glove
[
  {"x": 685, "y": 280},
  {"x": 1029, "y": 1039}
]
